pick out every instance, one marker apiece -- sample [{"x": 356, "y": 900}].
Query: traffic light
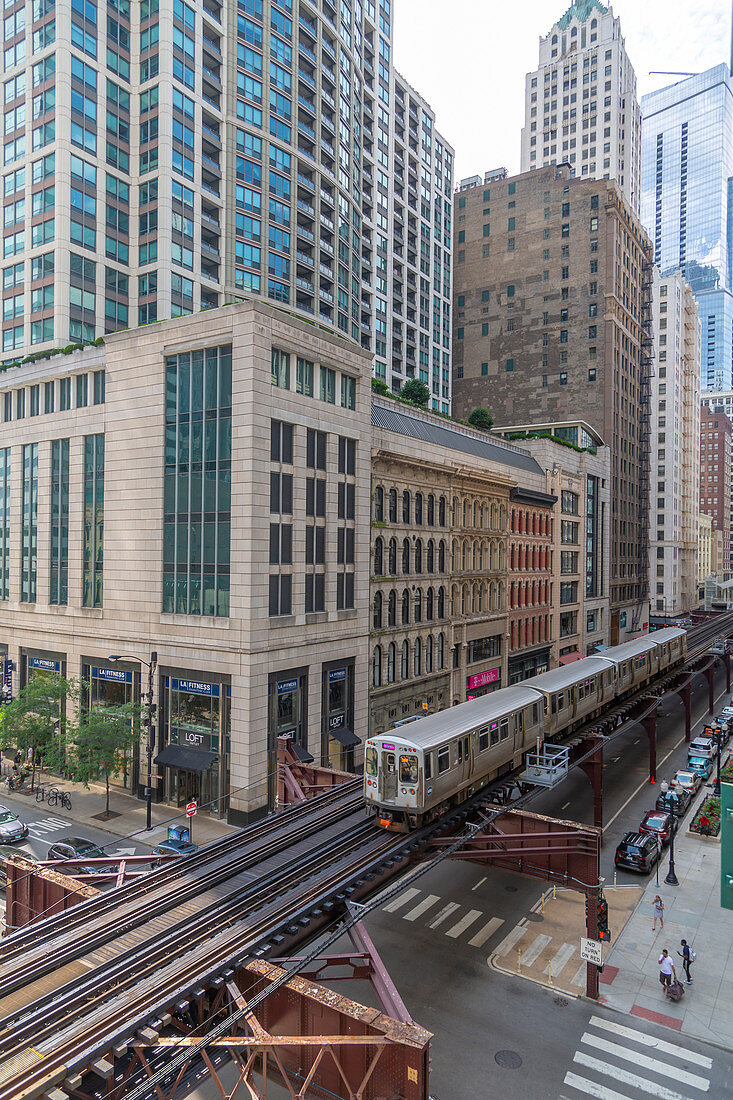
[{"x": 603, "y": 932}]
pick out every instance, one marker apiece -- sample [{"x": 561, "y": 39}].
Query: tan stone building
[
  {"x": 552, "y": 291},
  {"x": 704, "y": 546},
  {"x": 198, "y": 489},
  {"x": 716, "y": 451}
]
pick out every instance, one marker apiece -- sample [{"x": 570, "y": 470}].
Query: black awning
[
  {"x": 188, "y": 760},
  {"x": 345, "y": 736},
  {"x": 303, "y": 755}
]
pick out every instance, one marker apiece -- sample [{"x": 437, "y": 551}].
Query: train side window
[
  {"x": 370, "y": 761},
  {"x": 553, "y": 704},
  {"x": 494, "y": 733},
  {"x": 483, "y": 739},
  {"x": 504, "y": 728},
  {"x": 459, "y": 750},
  {"x": 560, "y": 700},
  {"x": 428, "y": 765},
  {"x": 535, "y": 714},
  {"x": 520, "y": 721},
  {"x": 581, "y": 692},
  {"x": 443, "y": 760}
]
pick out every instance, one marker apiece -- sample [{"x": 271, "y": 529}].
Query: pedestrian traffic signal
[{"x": 603, "y": 932}]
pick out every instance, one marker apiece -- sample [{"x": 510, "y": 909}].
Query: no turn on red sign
[{"x": 191, "y": 808}]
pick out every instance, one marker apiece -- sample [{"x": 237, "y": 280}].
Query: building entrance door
[{"x": 185, "y": 786}]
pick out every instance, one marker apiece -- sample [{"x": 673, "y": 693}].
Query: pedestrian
[
  {"x": 686, "y": 956},
  {"x": 658, "y": 913},
  {"x": 666, "y": 971}
]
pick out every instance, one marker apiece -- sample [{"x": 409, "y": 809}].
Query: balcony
[
  {"x": 306, "y": 129},
  {"x": 305, "y": 233},
  {"x": 307, "y": 52},
  {"x": 304, "y": 258},
  {"x": 307, "y": 182},
  {"x": 304, "y": 284},
  {"x": 307, "y": 79},
  {"x": 306, "y": 208}
]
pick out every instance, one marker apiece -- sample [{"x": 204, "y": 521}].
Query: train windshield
[
  {"x": 408, "y": 769},
  {"x": 370, "y": 761}
]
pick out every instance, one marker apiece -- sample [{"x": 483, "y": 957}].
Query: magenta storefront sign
[{"x": 481, "y": 679}]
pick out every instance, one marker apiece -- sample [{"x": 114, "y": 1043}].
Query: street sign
[
  {"x": 591, "y": 951},
  {"x": 191, "y": 809}
]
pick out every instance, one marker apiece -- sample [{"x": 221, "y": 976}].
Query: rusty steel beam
[{"x": 298, "y": 781}]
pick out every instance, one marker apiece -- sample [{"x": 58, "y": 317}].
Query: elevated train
[{"x": 416, "y": 771}]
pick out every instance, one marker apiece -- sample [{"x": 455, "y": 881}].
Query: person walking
[
  {"x": 686, "y": 956},
  {"x": 666, "y": 971},
  {"x": 658, "y": 913}
]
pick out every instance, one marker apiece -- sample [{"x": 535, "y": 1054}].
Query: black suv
[{"x": 637, "y": 852}]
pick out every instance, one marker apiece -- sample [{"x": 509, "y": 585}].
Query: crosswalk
[
  {"x": 664, "y": 1070},
  {"x": 448, "y": 918},
  {"x": 45, "y": 825}
]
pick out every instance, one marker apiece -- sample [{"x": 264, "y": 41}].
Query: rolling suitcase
[{"x": 676, "y": 991}]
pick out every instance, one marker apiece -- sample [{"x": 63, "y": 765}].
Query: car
[
  {"x": 6, "y": 852},
  {"x": 12, "y": 829},
  {"x": 703, "y": 765},
  {"x": 659, "y": 823},
  {"x": 723, "y": 722},
  {"x": 78, "y": 847},
  {"x": 174, "y": 848},
  {"x": 727, "y": 709},
  {"x": 704, "y": 746},
  {"x": 688, "y": 780},
  {"x": 677, "y": 798},
  {"x": 637, "y": 852}
]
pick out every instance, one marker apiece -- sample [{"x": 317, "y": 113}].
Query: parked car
[
  {"x": 174, "y": 848},
  {"x": 659, "y": 823},
  {"x": 688, "y": 780},
  {"x": 637, "y": 852},
  {"x": 6, "y": 851},
  {"x": 703, "y": 765},
  {"x": 727, "y": 709},
  {"x": 683, "y": 799},
  {"x": 702, "y": 746},
  {"x": 12, "y": 829},
  {"x": 78, "y": 847}
]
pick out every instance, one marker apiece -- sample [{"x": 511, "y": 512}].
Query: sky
[{"x": 468, "y": 58}]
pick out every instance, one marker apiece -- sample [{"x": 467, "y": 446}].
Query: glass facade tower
[
  {"x": 164, "y": 157},
  {"x": 687, "y": 202}
]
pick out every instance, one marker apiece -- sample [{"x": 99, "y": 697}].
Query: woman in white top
[{"x": 658, "y": 913}]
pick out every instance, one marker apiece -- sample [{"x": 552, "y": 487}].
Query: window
[
  {"x": 280, "y": 369},
  {"x": 29, "y": 543}
]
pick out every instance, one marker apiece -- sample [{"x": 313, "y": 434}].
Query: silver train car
[{"x": 416, "y": 771}]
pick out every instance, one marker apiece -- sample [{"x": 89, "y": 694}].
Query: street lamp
[
  {"x": 718, "y": 739},
  {"x": 671, "y": 804},
  {"x": 148, "y": 721}
]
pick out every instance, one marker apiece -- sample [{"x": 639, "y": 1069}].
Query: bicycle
[
  {"x": 65, "y": 800},
  {"x": 41, "y": 793}
]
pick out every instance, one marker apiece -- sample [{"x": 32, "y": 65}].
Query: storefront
[
  {"x": 114, "y": 686},
  {"x": 35, "y": 663},
  {"x": 195, "y": 738},
  {"x": 339, "y": 739},
  {"x": 482, "y": 683},
  {"x": 287, "y": 713},
  {"x": 529, "y": 664}
]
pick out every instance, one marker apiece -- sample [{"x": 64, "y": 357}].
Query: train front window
[
  {"x": 370, "y": 761},
  {"x": 408, "y": 769}
]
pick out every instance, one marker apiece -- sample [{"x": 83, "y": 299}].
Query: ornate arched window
[
  {"x": 377, "y": 667},
  {"x": 431, "y": 510},
  {"x": 405, "y": 555},
  {"x": 378, "y": 556},
  {"x": 417, "y": 606},
  {"x": 392, "y": 558},
  {"x": 429, "y": 605},
  {"x": 417, "y": 658},
  {"x": 429, "y": 653},
  {"x": 430, "y": 559},
  {"x": 418, "y": 556},
  {"x": 406, "y": 506},
  {"x": 405, "y": 607},
  {"x": 393, "y": 506},
  {"x": 441, "y": 651},
  {"x": 391, "y": 658},
  {"x": 377, "y": 618},
  {"x": 405, "y": 661},
  {"x": 392, "y": 608},
  {"x": 441, "y": 512},
  {"x": 379, "y": 504},
  {"x": 441, "y": 602},
  {"x": 418, "y": 509},
  {"x": 441, "y": 557}
]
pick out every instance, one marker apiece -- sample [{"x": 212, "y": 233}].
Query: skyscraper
[
  {"x": 581, "y": 104},
  {"x": 164, "y": 157},
  {"x": 687, "y": 191}
]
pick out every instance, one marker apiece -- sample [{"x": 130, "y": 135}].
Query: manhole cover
[
  {"x": 511, "y": 889},
  {"x": 508, "y": 1059},
  {"x": 561, "y": 1002},
  {"x": 535, "y": 916}
]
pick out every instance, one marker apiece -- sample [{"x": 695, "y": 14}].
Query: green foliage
[
  {"x": 481, "y": 419},
  {"x": 100, "y": 743},
  {"x": 380, "y": 387},
  {"x": 415, "y": 391},
  {"x": 34, "y": 719},
  {"x": 548, "y": 435},
  {"x": 707, "y": 819}
]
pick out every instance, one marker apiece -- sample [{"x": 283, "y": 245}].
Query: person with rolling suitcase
[{"x": 666, "y": 971}]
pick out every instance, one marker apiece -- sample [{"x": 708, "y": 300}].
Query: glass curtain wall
[
  {"x": 4, "y": 523},
  {"x": 59, "y": 521},
  {"x": 29, "y": 560},
  {"x": 197, "y": 516},
  {"x": 93, "y": 520}
]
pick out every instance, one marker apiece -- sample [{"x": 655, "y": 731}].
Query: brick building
[
  {"x": 530, "y": 585},
  {"x": 716, "y": 433},
  {"x": 552, "y": 317}
]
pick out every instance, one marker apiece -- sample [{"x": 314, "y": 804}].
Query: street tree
[
  {"x": 33, "y": 722},
  {"x": 416, "y": 391},
  {"x": 481, "y": 419},
  {"x": 100, "y": 744}
]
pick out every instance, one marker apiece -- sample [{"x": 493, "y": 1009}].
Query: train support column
[
  {"x": 591, "y": 924},
  {"x": 685, "y": 696},
  {"x": 650, "y": 725},
  {"x": 593, "y": 768},
  {"x": 710, "y": 676},
  {"x": 726, "y": 661}
]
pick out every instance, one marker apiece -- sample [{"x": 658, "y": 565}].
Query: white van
[{"x": 701, "y": 747}]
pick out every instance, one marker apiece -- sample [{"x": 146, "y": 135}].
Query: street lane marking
[
  {"x": 484, "y": 933},
  {"x": 626, "y": 1077},
  {"x": 393, "y": 906},
  {"x": 560, "y": 958},
  {"x": 535, "y": 949},
  {"x": 421, "y": 907},
  {"x": 511, "y": 939},
  {"x": 444, "y": 913},
  {"x": 680, "y": 1075},
  {"x": 651, "y": 1041},
  {"x": 465, "y": 922},
  {"x": 592, "y": 1088},
  {"x": 479, "y": 883},
  {"x": 566, "y": 805},
  {"x": 580, "y": 975}
]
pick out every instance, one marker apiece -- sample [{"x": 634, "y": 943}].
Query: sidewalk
[
  {"x": 630, "y": 981},
  {"x": 129, "y": 813}
]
